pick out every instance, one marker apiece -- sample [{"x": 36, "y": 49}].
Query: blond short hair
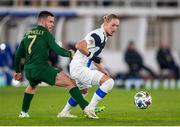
[{"x": 109, "y": 17}]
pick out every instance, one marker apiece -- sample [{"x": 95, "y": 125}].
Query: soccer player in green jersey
[{"x": 35, "y": 47}]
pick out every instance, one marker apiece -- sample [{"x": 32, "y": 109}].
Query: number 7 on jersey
[{"x": 33, "y": 37}]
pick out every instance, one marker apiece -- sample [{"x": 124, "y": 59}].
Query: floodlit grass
[{"x": 120, "y": 109}]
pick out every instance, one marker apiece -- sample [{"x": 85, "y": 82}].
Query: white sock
[
  {"x": 67, "y": 108},
  {"x": 101, "y": 93}
]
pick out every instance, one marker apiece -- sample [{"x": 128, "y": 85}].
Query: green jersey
[{"x": 35, "y": 47}]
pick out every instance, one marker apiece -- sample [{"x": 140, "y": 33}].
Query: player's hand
[
  {"x": 17, "y": 76},
  {"x": 72, "y": 53}
]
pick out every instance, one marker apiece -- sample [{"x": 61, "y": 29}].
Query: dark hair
[
  {"x": 109, "y": 17},
  {"x": 44, "y": 14}
]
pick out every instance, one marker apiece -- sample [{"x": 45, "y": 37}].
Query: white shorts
[{"x": 85, "y": 77}]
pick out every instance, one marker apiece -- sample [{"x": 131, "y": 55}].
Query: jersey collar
[{"x": 41, "y": 26}]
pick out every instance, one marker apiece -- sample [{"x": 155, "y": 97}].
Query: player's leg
[
  {"x": 106, "y": 84},
  {"x": 28, "y": 96},
  {"x": 52, "y": 76},
  {"x": 71, "y": 103},
  {"x": 64, "y": 80}
]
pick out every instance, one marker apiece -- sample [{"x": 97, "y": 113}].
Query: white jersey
[
  {"x": 96, "y": 41},
  {"x": 79, "y": 66}
]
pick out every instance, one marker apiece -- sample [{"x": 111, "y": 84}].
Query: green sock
[
  {"x": 26, "y": 101},
  {"x": 76, "y": 94}
]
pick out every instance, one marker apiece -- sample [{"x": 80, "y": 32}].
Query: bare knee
[
  {"x": 104, "y": 79},
  {"x": 66, "y": 84},
  {"x": 70, "y": 84},
  {"x": 63, "y": 80},
  {"x": 31, "y": 89}
]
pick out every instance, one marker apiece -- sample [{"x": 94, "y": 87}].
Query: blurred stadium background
[{"x": 146, "y": 22}]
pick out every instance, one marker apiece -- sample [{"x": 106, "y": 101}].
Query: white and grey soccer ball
[{"x": 142, "y": 100}]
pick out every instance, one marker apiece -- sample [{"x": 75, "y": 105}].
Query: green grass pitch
[{"x": 120, "y": 109}]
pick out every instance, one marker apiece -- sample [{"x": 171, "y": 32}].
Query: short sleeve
[{"x": 90, "y": 41}]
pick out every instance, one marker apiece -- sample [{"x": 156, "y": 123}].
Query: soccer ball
[{"x": 142, "y": 100}]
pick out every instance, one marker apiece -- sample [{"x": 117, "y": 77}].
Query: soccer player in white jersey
[{"x": 87, "y": 52}]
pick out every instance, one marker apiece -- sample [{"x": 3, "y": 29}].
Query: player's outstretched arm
[
  {"x": 55, "y": 47},
  {"x": 61, "y": 51}
]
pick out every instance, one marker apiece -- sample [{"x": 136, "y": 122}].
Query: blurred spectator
[
  {"x": 6, "y": 2},
  {"x": 166, "y": 60},
  {"x": 9, "y": 55},
  {"x": 3, "y": 78},
  {"x": 52, "y": 3},
  {"x": 135, "y": 61},
  {"x": 71, "y": 46},
  {"x": 167, "y": 3},
  {"x": 2, "y": 58},
  {"x": 6, "y": 63},
  {"x": 107, "y": 2},
  {"x": 65, "y": 3},
  {"x": 28, "y": 2}
]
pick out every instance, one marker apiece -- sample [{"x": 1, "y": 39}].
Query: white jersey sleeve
[
  {"x": 90, "y": 41},
  {"x": 94, "y": 38}
]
